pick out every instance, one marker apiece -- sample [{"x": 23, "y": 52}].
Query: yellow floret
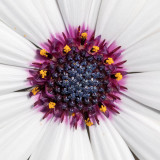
[
  {"x": 88, "y": 122},
  {"x": 118, "y": 76},
  {"x": 84, "y": 35},
  {"x": 66, "y": 49},
  {"x": 110, "y": 61},
  {"x": 95, "y": 49},
  {"x": 35, "y": 90},
  {"x": 43, "y": 52},
  {"x": 103, "y": 108},
  {"x": 43, "y": 73},
  {"x": 52, "y": 105}
]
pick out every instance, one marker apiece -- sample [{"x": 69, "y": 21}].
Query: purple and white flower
[{"x": 79, "y": 79}]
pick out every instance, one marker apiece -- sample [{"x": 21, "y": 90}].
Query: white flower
[{"x": 132, "y": 24}]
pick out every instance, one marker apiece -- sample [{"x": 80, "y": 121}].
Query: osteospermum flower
[{"x": 79, "y": 79}]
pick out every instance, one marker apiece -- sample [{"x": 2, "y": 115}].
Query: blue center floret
[{"x": 79, "y": 80}]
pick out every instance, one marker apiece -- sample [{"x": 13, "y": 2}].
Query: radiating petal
[
  {"x": 107, "y": 143},
  {"x": 23, "y": 130},
  {"x": 13, "y": 105},
  {"x": 50, "y": 15},
  {"x": 12, "y": 79},
  {"x": 80, "y": 12},
  {"x": 20, "y": 139},
  {"x": 62, "y": 142},
  {"x": 144, "y": 88},
  {"x": 144, "y": 56},
  {"x": 140, "y": 128},
  {"x": 115, "y": 16},
  {"x": 14, "y": 49},
  {"x": 144, "y": 25},
  {"x": 32, "y": 18}
]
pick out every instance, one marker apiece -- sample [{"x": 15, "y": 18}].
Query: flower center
[
  {"x": 78, "y": 77},
  {"x": 80, "y": 81}
]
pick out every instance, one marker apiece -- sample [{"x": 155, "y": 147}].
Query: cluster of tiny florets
[{"x": 78, "y": 77}]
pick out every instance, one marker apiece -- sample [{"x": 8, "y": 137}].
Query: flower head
[
  {"x": 79, "y": 79},
  {"x": 80, "y": 82}
]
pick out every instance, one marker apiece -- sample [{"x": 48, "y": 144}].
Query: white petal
[
  {"x": 144, "y": 25},
  {"x": 81, "y": 147},
  {"x": 51, "y": 15},
  {"x": 80, "y": 12},
  {"x": 12, "y": 79},
  {"x": 140, "y": 128},
  {"x": 145, "y": 88},
  {"x": 144, "y": 56},
  {"x": 31, "y": 20},
  {"x": 14, "y": 49},
  {"x": 13, "y": 105},
  {"x": 107, "y": 143},
  {"x": 62, "y": 142},
  {"x": 22, "y": 131},
  {"x": 115, "y": 16}
]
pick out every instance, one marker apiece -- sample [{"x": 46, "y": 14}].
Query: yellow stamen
[
  {"x": 84, "y": 35},
  {"x": 118, "y": 76},
  {"x": 88, "y": 122},
  {"x": 73, "y": 114},
  {"x": 43, "y": 73},
  {"x": 109, "y": 61},
  {"x": 35, "y": 90},
  {"x": 66, "y": 49},
  {"x": 52, "y": 105},
  {"x": 103, "y": 108},
  {"x": 95, "y": 49},
  {"x": 43, "y": 52}
]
